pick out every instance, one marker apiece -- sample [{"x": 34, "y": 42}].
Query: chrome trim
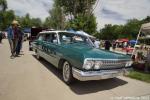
[
  {"x": 98, "y": 75},
  {"x": 106, "y": 59},
  {"x": 109, "y": 63},
  {"x": 58, "y": 38}
]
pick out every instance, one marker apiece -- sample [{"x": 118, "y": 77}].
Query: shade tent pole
[{"x": 136, "y": 41}]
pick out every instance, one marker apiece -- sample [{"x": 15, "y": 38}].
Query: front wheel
[{"x": 67, "y": 73}]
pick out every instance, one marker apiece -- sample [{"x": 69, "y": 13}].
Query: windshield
[{"x": 68, "y": 38}]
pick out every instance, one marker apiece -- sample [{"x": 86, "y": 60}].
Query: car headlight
[
  {"x": 98, "y": 64},
  {"x": 128, "y": 63},
  {"x": 88, "y": 64}
]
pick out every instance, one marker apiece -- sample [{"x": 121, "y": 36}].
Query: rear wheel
[{"x": 67, "y": 72}]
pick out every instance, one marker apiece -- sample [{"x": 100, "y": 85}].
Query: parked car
[
  {"x": 32, "y": 37},
  {"x": 25, "y": 38},
  {"x": 76, "y": 56}
]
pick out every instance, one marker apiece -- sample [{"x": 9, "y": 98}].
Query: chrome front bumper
[{"x": 98, "y": 75}]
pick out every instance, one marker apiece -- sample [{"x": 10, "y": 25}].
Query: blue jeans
[
  {"x": 18, "y": 48},
  {"x": 13, "y": 44}
]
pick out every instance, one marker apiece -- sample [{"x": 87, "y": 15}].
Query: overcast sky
[{"x": 107, "y": 11}]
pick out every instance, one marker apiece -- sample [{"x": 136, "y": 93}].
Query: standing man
[
  {"x": 97, "y": 43},
  {"x": 13, "y": 36},
  {"x": 20, "y": 41},
  {"x": 107, "y": 45},
  {"x": 114, "y": 45}
]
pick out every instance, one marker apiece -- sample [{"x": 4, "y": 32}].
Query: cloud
[
  {"x": 119, "y": 11},
  {"x": 107, "y": 11},
  {"x": 111, "y": 14},
  {"x": 36, "y": 8}
]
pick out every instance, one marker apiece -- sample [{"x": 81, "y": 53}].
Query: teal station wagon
[{"x": 76, "y": 56}]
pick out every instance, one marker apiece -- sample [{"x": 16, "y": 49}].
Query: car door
[
  {"x": 39, "y": 41},
  {"x": 51, "y": 48},
  {"x": 40, "y": 45}
]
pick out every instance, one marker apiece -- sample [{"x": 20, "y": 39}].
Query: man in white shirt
[{"x": 97, "y": 44}]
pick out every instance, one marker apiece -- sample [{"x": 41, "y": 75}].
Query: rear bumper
[{"x": 98, "y": 75}]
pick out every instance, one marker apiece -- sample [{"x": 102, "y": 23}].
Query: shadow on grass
[{"x": 86, "y": 87}]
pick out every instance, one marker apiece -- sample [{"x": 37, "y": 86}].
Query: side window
[
  {"x": 66, "y": 38},
  {"x": 54, "y": 38},
  {"x": 41, "y": 37},
  {"x": 51, "y": 37},
  {"x": 48, "y": 37}
]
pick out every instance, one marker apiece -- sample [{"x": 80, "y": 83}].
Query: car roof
[
  {"x": 58, "y": 31},
  {"x": 47, "y": 32}
]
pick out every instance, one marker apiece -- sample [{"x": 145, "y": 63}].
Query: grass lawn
[{"x": 139, "y": 76}]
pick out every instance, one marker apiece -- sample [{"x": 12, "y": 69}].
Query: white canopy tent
[{"x": 145, "y": 29}]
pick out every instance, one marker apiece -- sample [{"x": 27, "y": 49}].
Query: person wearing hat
[{"x": 13, "y": 37}]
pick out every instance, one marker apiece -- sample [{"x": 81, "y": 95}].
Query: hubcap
[
  {"x": 37, "y": 55},
  {"x": 66, "y": 71}
]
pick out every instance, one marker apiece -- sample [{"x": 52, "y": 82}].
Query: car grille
[{"x": 113, "y": 64}]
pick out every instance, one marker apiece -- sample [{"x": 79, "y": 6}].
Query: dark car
[
  {"x": 32, "y": 37},
  {"x": 34, "y": 33}
]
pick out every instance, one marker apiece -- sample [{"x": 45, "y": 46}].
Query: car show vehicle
[{"x": 76, "y": 56}]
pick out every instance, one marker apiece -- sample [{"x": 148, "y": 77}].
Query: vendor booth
[
  {"x": 121, "y": 43},
  {"x": 141, "y": 53},
  {"x": 132, "y": 42}
]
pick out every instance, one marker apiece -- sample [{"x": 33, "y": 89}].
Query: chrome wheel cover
[
  {"x": 37, "y": 55},
  {"x": 66, "y": 71}
]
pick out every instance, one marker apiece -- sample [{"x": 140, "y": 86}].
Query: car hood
[{"x": 90, "y": 52}]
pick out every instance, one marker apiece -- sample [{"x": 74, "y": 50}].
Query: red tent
[{"x": 122, "y": 40}]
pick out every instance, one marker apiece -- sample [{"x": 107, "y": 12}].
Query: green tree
[
  {"x": 56, "y": 19},
  {"x": 129, "y": 30},
  {"x": 29, "y": 22},
  {"x": 86, "y": 23},
  {"x": 109, "y": 32},
  {"x": 77, "y": 7},
  {"x": 3, "y": 5},
  {"x": 26, "y": 22},
  {"x": 146, "y": 20},
  {"x": 8, "y": 17},
  {"x": 80, "y": 14},
  {"x": 47, "y": 22},
  {"x": 132, "y": 28},
  {"x": 118, "y": 31},
  {"x": 36, "y": 22}
]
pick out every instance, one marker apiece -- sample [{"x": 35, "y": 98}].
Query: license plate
[{"x": 109, "y": 75}]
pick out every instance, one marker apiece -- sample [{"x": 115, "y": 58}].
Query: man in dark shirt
[
  {"x": 20, "y": 40},
  {"x": 107, "y": 45}
]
